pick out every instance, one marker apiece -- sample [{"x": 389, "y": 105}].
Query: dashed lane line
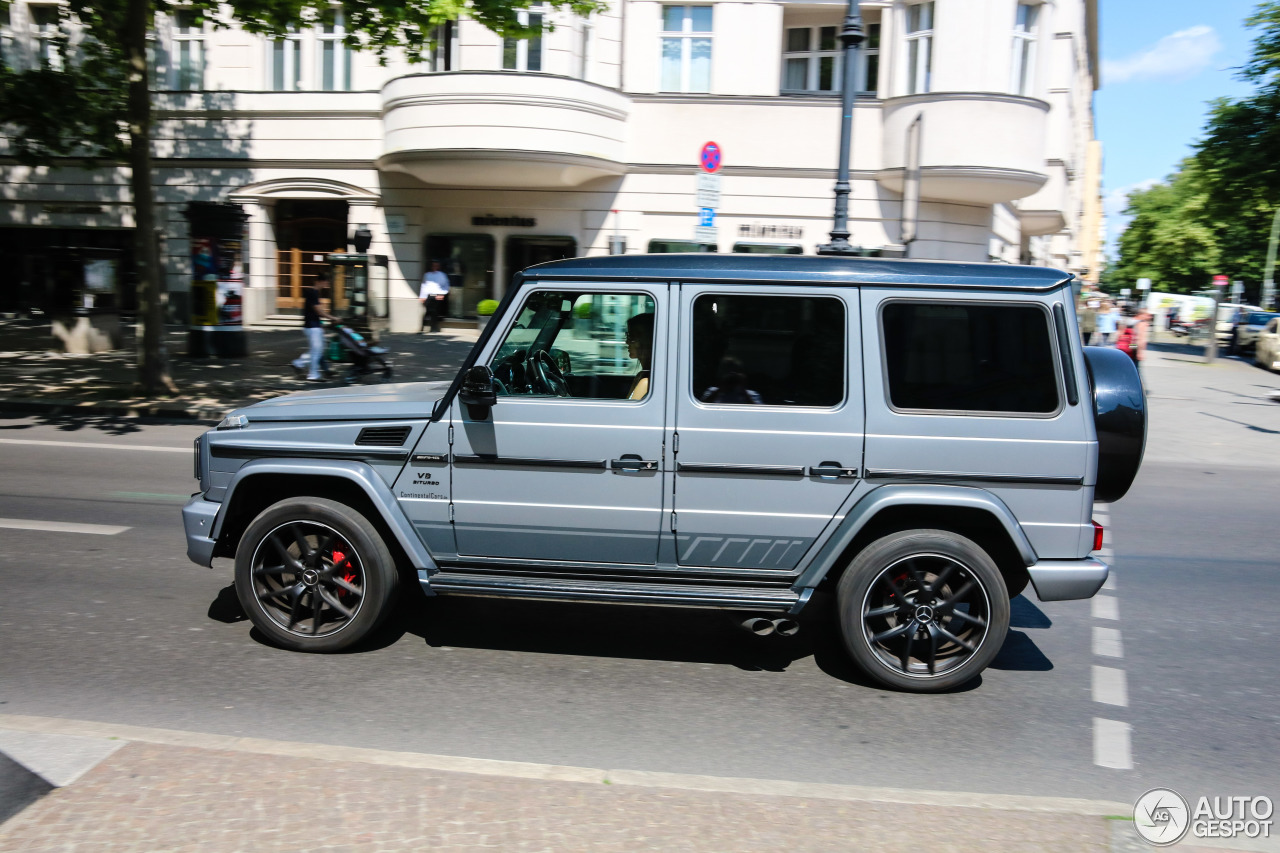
[
  {"x": 1107, "y": 642},
  {"x": 60, "y": 526},
  {"x": 1111, "y": 744},
  {"x": 1112, "y": 739},
  {"x": 97, "y": 445},
  {"x": 1110, "y": 686},
  {"x": 1106, "y": 607}
]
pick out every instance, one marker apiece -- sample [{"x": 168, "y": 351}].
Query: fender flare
[
  {"x": 359, "y": 473},
  {"x": 884, "y": 497}
]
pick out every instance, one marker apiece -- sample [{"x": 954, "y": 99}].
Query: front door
[
  {"x": 567, "y": 467},
  {"x": 768, "y": 426}
]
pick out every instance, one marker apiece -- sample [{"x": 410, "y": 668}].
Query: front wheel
[
  {"x": 314, "y": 575},
  {"x": 923, "y": 610}
]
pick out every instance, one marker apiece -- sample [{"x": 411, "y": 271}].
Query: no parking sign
[{"x": 712, "y": 157}]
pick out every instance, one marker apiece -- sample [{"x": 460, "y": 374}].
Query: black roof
[{"x": 799, "y": 270}]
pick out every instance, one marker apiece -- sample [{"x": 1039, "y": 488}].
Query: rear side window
[
  {"x": 958, "y": 357},
  {"x": 768, "y": 350}
]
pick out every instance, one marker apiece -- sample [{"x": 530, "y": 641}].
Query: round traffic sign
[{"x": 712, "y": 157}]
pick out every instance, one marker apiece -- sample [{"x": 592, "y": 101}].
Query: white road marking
[
  {"x": 1106, "y": 607},
  {"x": 97, "y": 445},
  {"x": 60, "y": 526},
  {"x": 1110, "y": 686},
  {"x": 1111, "y": 744},
  {"x": 1110, "y": 583},
  {"x": 1107, "y": 642}
]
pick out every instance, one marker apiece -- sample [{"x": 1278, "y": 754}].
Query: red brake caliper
[{"x": 341, "y": 562}]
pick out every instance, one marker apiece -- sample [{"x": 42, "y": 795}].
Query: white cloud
[
  {"x": 1178, "y": 56},
  {"x": 1113, "y": 205}
]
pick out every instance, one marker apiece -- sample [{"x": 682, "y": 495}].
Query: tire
[
  {"x": 314, "y": 575},
  {"x": 912, "y": 644}
]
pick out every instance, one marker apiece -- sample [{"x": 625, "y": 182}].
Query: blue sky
[{"x": 1162, "y": 62}]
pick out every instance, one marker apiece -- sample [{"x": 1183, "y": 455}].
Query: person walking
[
  {"x": 432, "y": 295},
  {"x": 312, "y": 315},
  {"x": 1107, "y": 316},
  {"x": 1088, "y": 318}
]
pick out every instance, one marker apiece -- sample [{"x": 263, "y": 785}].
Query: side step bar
[{"x": 775, "y": 600}]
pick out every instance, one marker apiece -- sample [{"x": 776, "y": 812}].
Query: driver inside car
[{"x": 640, "y": 347}]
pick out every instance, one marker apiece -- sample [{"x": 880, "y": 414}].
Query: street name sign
[{"x": 708, "y": 190}]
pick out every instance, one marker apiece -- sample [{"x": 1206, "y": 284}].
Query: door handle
[
  {"x": 832, "y": 469},
  {"x": 633, "y": 462}
]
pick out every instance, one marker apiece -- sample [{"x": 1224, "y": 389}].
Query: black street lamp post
[{"x": 852, "y": 36}]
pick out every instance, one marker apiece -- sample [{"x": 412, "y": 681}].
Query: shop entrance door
[
  {"x": 468, "y": 261},
  {"x": 526, "y": 251},
  {"x": 306, "y": 231}
]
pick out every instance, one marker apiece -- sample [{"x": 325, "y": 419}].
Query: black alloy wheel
[
  {"x": 313, "y": 574},
  {"x": 923, "y": 610}
]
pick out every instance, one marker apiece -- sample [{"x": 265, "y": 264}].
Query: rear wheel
[
  {"x": 314, "y": 575},
  {"x": 923, "y": 610}
]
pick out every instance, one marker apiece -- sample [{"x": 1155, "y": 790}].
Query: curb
[
  {"x": 162, "y": 411},
  {"x": 561, "y": 773}
]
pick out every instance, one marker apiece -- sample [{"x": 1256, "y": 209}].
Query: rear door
[{"x": 768, "y": 422}]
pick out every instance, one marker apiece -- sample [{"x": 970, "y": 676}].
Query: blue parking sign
[{"x": 706, "y": 216}]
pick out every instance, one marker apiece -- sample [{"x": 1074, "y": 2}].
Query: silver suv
[{"x": 719, "y": 431}]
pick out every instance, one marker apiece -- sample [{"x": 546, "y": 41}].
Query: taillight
[{"x": 1097, "y": 537}]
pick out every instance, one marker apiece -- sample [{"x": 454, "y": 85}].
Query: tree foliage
[{"x": 1213, "y": 216}]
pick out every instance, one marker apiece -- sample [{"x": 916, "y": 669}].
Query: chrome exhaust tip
[
  {"x": 785, "y": 627},
  {"x": 757, "y": 625}
]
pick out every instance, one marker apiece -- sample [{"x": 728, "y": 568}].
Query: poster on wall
[{"x": 217, "y": 288}]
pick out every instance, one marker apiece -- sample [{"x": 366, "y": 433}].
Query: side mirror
[{"x": 477, "y": 392}]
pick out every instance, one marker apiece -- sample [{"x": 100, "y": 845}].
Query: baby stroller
[{"x": 364, "y": 357}]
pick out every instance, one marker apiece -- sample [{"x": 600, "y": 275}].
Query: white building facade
[{"x": 501, "y": 153}]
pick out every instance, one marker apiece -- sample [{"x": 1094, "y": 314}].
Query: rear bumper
[
  {"x": 197, "y": 519},
  {"x": 1065, "y": 580}
]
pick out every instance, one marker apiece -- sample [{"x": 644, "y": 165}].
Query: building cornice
[{"x": 502, "y": 99}]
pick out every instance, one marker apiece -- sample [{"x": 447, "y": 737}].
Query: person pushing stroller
[{"x": 312, "y": 315}]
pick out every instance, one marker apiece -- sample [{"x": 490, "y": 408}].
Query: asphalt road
[{"x": 120, "y": 627}]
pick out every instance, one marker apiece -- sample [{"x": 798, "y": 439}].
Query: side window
[
  {"x": 768, "y": 350},
  {"x": 581, "y": 344},
  {"x": 959, "y": 357},
  {"x": 1273, "y": 326}
]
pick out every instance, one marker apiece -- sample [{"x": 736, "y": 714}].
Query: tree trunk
[{"x": 153, "y": 368}]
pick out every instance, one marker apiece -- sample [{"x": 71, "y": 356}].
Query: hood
[{"x": 400, "y": 401}]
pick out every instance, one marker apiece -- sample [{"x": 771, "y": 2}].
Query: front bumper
[
  {"x": 197, "y": 518},
  {"x": 1065, "y": 580}
]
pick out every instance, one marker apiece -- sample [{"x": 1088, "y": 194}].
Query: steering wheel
[{"x": 547, "y": 376}]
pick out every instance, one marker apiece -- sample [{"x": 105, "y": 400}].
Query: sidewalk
[
  {"x": 34, "y": 378},
  {"x": 173, "y": 791}
]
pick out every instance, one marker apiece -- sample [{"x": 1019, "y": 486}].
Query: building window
[
  {"x": 187, "y": 33},
  {"x": 919, "y": 47},
  {"x": 8, "y": 44},
  {"x": 445, "y": 47},
  {"x": 286, "y": 63},
  {"x": 686, "y": 48},
  {"x": 1024, "y": 49},
  {"x": 586, "y": 49},
  {"x": 524, "y": 54},
  {"x": 46, "y": 33},
  {"x": 813, "y": 60},
  {"x": 335, "y": 57}
]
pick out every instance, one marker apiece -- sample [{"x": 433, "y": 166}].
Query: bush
[
  {"x": 582, "y": 310},
  {"x": 486, "y": 307}
]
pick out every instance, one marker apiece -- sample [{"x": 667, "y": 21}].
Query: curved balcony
[
  {"x": 975, "y": 147},
  {"x": 502, "y": 129}
]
